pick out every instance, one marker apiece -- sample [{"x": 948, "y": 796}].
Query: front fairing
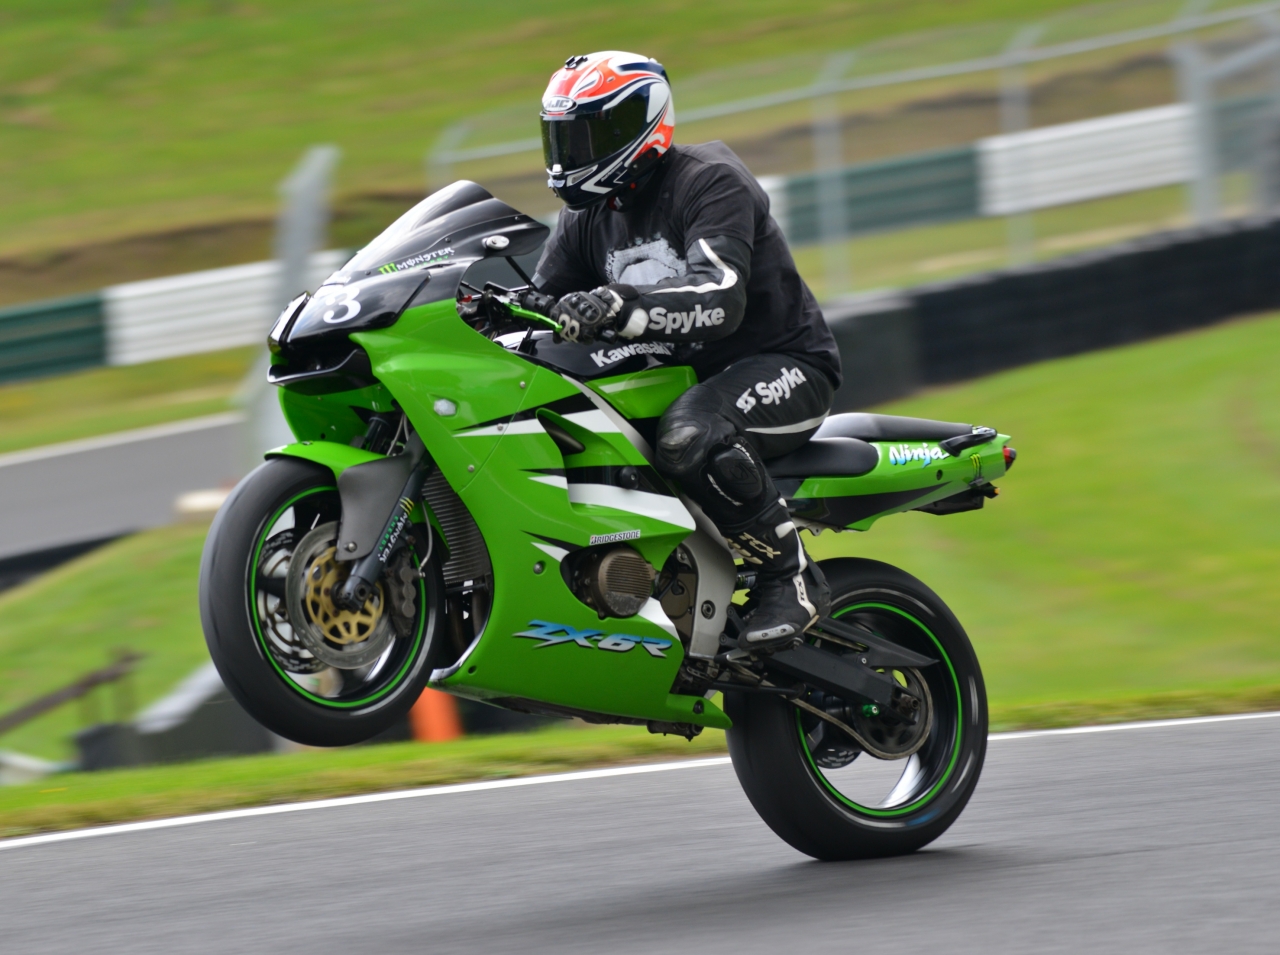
[
  {"x": 418, "y": 259},
  {"x": 479, "y": 409}
]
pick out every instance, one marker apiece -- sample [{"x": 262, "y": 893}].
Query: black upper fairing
[{"x": 419, "y": 258}]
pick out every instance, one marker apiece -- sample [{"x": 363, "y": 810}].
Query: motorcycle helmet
[{"x": 607, "y": 119}]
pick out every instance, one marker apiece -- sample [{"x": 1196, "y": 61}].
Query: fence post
[
  {"x": 301, "y": 229},
  {"x": 1015, "y": 117},
  {"x": 828, "y": 161},
  {"x": 439, "y": 158},
  {"x": 1266, "y": 140},
  {"x": 1195, "y": 87},
  {"x": 303, "y": 223}
]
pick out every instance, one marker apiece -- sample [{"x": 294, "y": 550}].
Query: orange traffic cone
[{"x": 434, "y": 718}]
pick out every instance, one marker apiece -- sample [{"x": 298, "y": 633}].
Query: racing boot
[{"x": 791, "y": 592}]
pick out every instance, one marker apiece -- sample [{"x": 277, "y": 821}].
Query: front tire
[
  {"x": 797, "y": 771},
  {"x": 272, "y": 517}
]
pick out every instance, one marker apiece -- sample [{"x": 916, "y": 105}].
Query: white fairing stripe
[
  {"x": 528, "y": 426},
  {"x": 791, "y": 428},
  {"x": 594, "y": 421},
  {"x": 659, "y": 507},
  {"x": 728, "y": 281},
  {"x": 591, "y": 420},
  {"x": 653, "y": 612},
  {"x": 554, "y": 480},
  {"x": 558, "y": 553}
]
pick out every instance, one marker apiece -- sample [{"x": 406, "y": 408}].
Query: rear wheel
[
  {"x": 302, "y": 667},
  {"x": 819, "y": 788}
]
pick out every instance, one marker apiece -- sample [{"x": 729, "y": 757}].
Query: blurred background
[{"x": 1054, "y": 218}]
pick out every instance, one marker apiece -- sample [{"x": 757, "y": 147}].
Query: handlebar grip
[{"x": 537, "y": 302}]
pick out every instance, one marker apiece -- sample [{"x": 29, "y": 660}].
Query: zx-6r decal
[{"x": 554, "y": 633}]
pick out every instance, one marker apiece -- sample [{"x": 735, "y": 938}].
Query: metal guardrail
[
  {"x": 50, "y": 338},
  {"x": 82, "y": 687}
]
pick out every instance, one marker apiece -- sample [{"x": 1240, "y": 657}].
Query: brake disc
[
  {"x": 273, "y": 612},
  {"x": 346, "y": 639}
]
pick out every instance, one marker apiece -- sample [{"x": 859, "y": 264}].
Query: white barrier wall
[
  {"x": 200, "y": 311},
  {"x": 1072, "y": 162}
]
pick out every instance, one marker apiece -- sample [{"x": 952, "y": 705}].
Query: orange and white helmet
[{"x": 607, "y": 118}]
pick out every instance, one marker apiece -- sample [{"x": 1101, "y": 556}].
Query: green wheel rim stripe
[
  {"x": 955, "y": 749},
  {"x": 266, "y": 649}
]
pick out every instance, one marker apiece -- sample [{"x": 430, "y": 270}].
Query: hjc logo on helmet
[{"x": 557, "y": 104}]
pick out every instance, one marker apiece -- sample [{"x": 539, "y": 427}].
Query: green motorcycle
[{"x": 471, "y": 505}]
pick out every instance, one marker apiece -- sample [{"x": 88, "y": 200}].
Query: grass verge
[
  {"x": 1132, "y": 552},
  {"x": 106, "y": 400},
  {"x": 138, "y": 593},
  {"x": 84, "y": 799},
  {"x": 76, "y": 800},
  {"x": 122, "y": 118}
]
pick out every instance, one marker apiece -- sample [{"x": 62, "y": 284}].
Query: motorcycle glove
[{"x": 586, "y": 316}]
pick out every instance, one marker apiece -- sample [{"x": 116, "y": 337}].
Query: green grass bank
[
  {"x": 1126, "y": 571},
  {"x": 106, "y": 400},
  {"x": 122, "y": 118}
]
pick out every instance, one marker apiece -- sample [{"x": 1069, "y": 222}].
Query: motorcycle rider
[{"x": 675, "y": 244}]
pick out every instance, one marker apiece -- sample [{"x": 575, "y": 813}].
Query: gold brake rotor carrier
[{"x": 347, "y": 639}]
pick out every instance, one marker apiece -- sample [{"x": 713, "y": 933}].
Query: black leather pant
[{"x": 714, "y": 438}]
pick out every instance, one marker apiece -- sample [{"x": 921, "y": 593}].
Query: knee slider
[
  {"x": 685, "y": 441},
  {"x": 736, "y": 474}
]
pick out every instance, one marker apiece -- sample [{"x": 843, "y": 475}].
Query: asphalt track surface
[
  {"x": 1160, "y": 838},
  {"x": 115, "y": 484}
]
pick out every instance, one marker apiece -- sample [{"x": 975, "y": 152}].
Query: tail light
[{"x": 1010, "y": 455}]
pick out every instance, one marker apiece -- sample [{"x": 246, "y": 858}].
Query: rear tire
[
  {"x": 245, "y": 617},
  {"x": 801, "y": 802}
]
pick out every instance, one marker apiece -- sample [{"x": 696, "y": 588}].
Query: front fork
[{"x": 355, "y": 591}]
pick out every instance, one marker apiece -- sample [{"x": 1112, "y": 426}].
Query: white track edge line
[
  {"x": 359, "y": 800},
  {"x": 1139, "y": 725},
  {"x": 176, "y": 821},
  {"x": 121, "y": 437}
]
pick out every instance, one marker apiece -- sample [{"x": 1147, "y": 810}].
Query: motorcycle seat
[
  {"x": 834, "y": 457},
  {"x": 884, "y": 427},
  {"x": 839, "y": 447}
]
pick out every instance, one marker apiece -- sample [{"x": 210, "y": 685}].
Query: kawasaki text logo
[
  {"x": 904, "y": 454},
  {"x": 552, "y": 634},
  {"x": 602, "y": 357}
]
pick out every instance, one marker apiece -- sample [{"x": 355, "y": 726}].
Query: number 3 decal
[{"x": 337, "y": 297}]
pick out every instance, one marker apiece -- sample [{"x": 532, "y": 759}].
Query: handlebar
[
  {"x": 532, "y": 301},
  {"x": 525, "y": 304}
]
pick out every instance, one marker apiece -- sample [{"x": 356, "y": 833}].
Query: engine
[{"x": 614, "y": 580}]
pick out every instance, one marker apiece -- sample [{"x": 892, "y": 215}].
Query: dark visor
[{"x": 575, "y": 143}]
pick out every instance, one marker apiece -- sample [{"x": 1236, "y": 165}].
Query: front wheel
[
  {"x": 303, "y": 668},
  {"x": 822, "y": 792}
]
